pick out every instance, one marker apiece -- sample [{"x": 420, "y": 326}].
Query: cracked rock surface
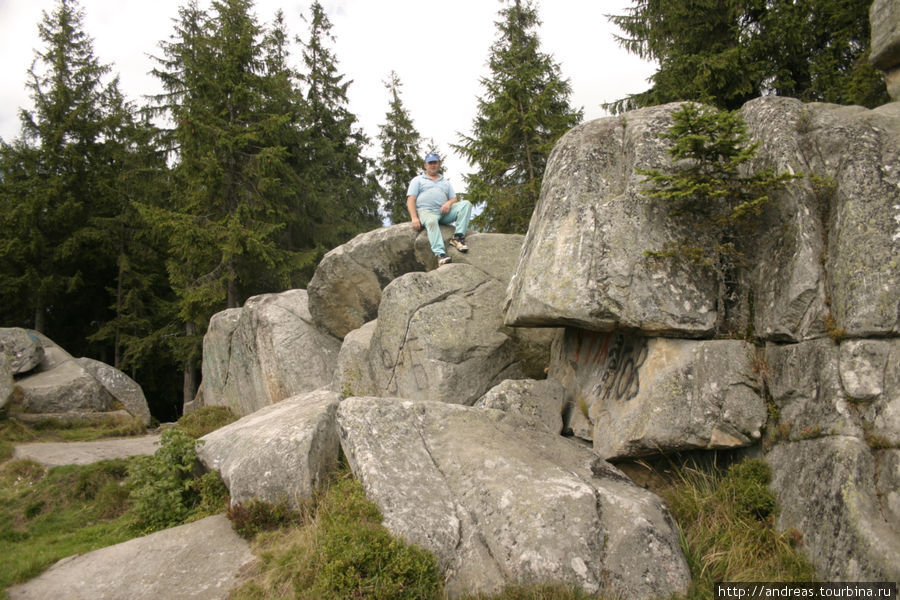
[
  {"x": 499, "y": 504},
  {"x": 440, "y": 336},
  {"x": 264, "y": 352}
]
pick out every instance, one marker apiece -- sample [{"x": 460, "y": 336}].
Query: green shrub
[
  {"x": 205, "y": 419},
  {"x": 342, "y": 552},
  {"x": 249, "y": 519},
  {"x": 167, "y": 489}
]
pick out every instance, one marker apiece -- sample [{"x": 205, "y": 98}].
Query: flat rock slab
[
  {"x": 197, "y": 561},
  {"x": 55, "y": 454}
]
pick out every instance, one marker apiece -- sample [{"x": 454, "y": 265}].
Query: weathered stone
[
  {"x": 346, "y": 289},
  {"x": 122, "y": 387},
  {"x": 280, "y": 453},
  {"x": 496, "y": 254},
  {"x": 198, "y": 561},
  {"x": 498, "y": 503},
  {"x": 353, "y": 375},
  {"x": 583, "y": 262},
  {"x": 6, "y": 380},
  {"x": 826, "y": 490},
  {"x": 788, "y": 279},
  {"x": 870, "y": 375},
  {"x": 274, "y": 351},
  {"x": 217, "y": 353},
  {"x": 65, "y": 387},
  {"x": 541, "y": 401},
  {"x": 884, "y": 17},
  {"x": 805, "y": 383},
  {"x": 887, "y": 484},
  {"x": 22, "y": 348},
  {"x": 861, "y": 152},
  {"x": 636, "y": 396},
  {"x": 440, "y": 336}
]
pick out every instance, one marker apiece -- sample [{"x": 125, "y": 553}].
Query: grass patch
[
  {"x": 727, "y": 524},
  {"x": 341, "y": 551},
  {"x": 46, "y": 515},
  {"x": 206, "y": 419}
]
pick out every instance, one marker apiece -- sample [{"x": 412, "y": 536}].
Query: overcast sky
[{"x": 438, "y": 48}]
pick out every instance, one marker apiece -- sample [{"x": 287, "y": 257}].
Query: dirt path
[{"x": 54, "y": 454}]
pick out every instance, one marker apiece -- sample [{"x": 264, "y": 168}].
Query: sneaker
[
  {"x": 443, "y": 259},
  {"x": 459, "y": 242}
]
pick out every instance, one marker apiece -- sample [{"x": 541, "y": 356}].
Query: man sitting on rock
[{"x": 431, "y": 198}]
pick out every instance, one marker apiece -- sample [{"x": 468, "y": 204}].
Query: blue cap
[{"x": 432, "y": 157}]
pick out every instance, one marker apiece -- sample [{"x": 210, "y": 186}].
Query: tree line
[{"x": 126, "y": 227}]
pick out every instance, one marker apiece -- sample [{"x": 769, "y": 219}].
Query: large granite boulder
[
  {"x": 834, "y": 457},
  {"x": 280, "y": 453},
  {"x": 201, "y": 561},
  {"x": 64, "y": 388},
  {"x": 6, "y": 380},
  {"x": 542, "y": 401},
  {"x": 353, "y": 374},
  {"x": 583, "y": 261},
  {"x": 636, "y": 396},
  {"x": 216, "y": 356},
  {"x": 123, "y": 388},
  {"x": 23, "y": 349},
  {"x": 884, "y": 17},
  {"x": 827, "y": 490},
  {"x": 440, "y": 336},
  {"x": 804, "y": 381},
  {"x": 828, "y": 247},
  {"x": 53, "y": 385},
  {"x": 859, "y": 149},
  {"x": 346, "y": 289},
  {"x": 870, "y": 377},
  {"x": 265, "y": 352},
  {"x": 498, "y": 503}
]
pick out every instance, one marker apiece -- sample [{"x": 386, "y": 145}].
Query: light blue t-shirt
[{"x": 430, "y": 194}]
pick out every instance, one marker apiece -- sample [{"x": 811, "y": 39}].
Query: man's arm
[
  {"x": 445, "y": 207},
  {"x": 413, "y": 213}
]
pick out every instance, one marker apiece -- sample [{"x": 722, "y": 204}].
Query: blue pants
[{"x": 460, "y": 212}]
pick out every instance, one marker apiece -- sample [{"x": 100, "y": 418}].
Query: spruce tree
[
  {"x": 222, "y": 226},
  {"x": 337, "y": 176},
  {"x": 401, "y": 158},
  {"x": 57, "y": 177},
  {"x": 521, "y": 115},
  {"x": 709, "y": 194},
  {"x": 726, "y": 52}
]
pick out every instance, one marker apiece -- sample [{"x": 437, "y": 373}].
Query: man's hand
[
  {"x": 445, "y": 207},
  {"x": 417, "y": 225}
]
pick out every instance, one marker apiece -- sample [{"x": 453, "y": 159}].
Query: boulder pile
[
  {"x": 448, "y": 389},
  {"x": 41, "y": 381}
]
